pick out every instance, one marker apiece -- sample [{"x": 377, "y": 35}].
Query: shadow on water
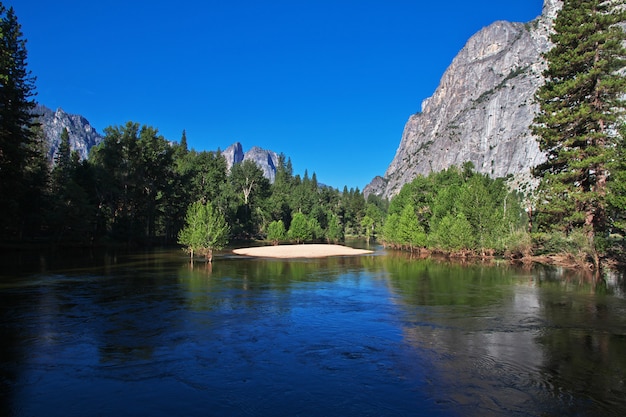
[{"x": 145, "y": 333}]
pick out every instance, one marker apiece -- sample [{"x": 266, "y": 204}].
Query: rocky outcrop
[
  {"x": 264, "y": 159},
  {"x": 233, "y": 154},
  {"x": 482, "y": 109},
  {"x": 82, "y": 135}
]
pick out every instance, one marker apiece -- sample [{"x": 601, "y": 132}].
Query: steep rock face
[
  {"x": 82, "y": 135},
  {"x": 264, "y": 159},
  {"x": 481, "y": 110},
  {"x": 233, "y": 154}
]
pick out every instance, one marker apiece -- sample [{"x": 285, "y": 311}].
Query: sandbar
[{"x": 300, "y": 251}]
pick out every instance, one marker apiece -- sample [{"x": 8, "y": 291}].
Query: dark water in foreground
[{"x": 382, "y": 335}]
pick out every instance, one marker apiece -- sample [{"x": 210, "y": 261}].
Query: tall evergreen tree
[
  {"x": 580, "y": 105},
  {"x": 17, "y": 89}
]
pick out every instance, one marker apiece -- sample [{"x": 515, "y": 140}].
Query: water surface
[{"x": 123, "y": 334}]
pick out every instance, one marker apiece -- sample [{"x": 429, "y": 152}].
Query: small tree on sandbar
[{"x": 205, "y": 230}]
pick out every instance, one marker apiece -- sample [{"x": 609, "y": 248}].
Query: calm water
[{"x": 382, "y": 335}]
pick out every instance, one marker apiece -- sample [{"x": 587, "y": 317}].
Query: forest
[{"x": 139, "y": 188}]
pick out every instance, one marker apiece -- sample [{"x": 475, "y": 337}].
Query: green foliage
[
  {"x": 367, "y": 225},
  {"x": 410, "y": 232},
  {"x": 335, "y": 230},
  {"x": 575, "y": 243},
  {"x": 454, "y": 210},
  {"x": 134, "y": 172},
  {"x": 315, "y": 228},
  {"x": 276, "y": 232},
  {"x": 205, "y": 230},
  {"x": 251, "y": 190},
  {"x": 581, "y": 105},
  {"x": 21, "y": 154},
  {"x": 300, "y": 229},
  {"x": 454, "y": 233},
  {"x": 616, "y": 193}
]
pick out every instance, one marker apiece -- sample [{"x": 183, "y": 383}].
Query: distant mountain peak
[
  {"x": 266, "y": 160},
  {"x": 82, "y": 135}
]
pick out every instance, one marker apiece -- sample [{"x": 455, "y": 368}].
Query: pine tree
[
  {"x": 62, "y": 160},
  {"x": 580, "y": 106},
  {"x": 16, "y": 119}
]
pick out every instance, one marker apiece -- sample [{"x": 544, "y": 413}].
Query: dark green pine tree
[
  {"x": 580, "y": 108},
  {"x": 17, "y": 86},
  {"x": 61, "y": 172}
]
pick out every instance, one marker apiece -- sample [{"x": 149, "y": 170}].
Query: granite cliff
[
  {"x": 482, "y": 109},
  {"x": 82, "y": 135},
  {"x": 264, "y": 159}
]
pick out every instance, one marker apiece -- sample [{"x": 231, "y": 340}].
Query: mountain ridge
[{"x": 83, "y": 137}]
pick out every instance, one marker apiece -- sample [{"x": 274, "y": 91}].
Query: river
[{"x": 133, "y": 334}]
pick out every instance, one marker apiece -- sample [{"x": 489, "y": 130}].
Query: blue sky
[{"x": 328, "y": 83}]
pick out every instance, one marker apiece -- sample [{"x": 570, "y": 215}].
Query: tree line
[
  {"x": 457, "y": 211},
  {"x": 137, "y": 187}
]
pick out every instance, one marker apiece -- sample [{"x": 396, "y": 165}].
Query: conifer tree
[
  {"x": 16, "y": 119},
  {"x": 580, "y": 106}
]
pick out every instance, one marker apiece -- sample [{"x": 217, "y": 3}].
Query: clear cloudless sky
[{"x": 329, "y": 83}]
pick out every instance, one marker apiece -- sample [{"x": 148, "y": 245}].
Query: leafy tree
[
  {"x": 315, "y": 228},
  {"x": 155, "y": 169},
  {"x": 367, "y": 224},
  {"x": 454, "y": 232},
  {"x": 335, "y": 230},
  {"x": 580, "y": 105},
  {"x": 251, "y": 189},
  {"x": 410, "y": 232},
  {"x": 373, "y": 219},
  {"x": 300, "y": 230},
  {"x": 17, "y": 139},
  {"x": 353, "y": 204},
  {"x": 390, "y": 230},
  {"x": 276, "y": 232},
  {"x": 454, "y": 210},
  {"x": 71, "y": 214},
  {"x": 134, "y": 170},
  {"x": 205, "y": 230}
]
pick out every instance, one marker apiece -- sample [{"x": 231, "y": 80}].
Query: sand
[{"x": 300, "y": 251}]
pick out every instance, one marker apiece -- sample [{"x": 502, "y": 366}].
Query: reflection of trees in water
[
  {"x": 546, "y": 338},
  {"x": 584, "y": 345},
  {"x": 244, "y": 282}
]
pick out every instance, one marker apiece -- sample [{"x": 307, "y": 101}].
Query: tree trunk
[{"x": 591, "y": 239}]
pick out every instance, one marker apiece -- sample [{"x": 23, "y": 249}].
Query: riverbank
[{"x": 300, "y": 251}]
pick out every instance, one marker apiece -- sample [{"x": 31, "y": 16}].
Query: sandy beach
[{"x": 300, "y": 251}]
